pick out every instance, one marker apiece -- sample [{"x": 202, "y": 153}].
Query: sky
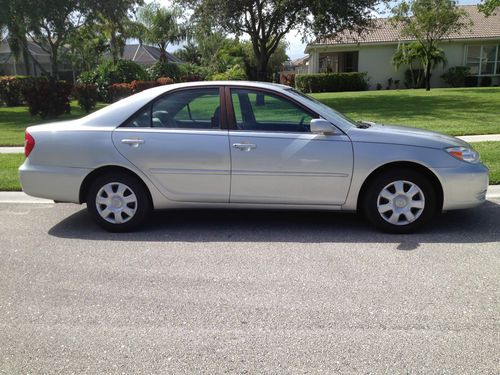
[{"x": 295, "y": 45}]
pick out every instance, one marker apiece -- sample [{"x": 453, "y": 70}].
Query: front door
[
  {"x": 178, "y": 142},
  {"x": 275, "y": 158}
]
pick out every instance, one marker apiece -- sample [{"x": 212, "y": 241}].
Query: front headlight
[{"x": 467, "y": 154}]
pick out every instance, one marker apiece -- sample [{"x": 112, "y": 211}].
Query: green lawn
[
  {"x": 452, "y": 111},
  {"x": 14, "y": 120},
  {"x": 490, "y": 155},
  {"x": 9, "y": 181}
]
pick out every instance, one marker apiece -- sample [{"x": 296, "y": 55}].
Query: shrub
[
  {"x": 331, "y": 82},
  {"x": 162, "y": 81},
  {"x": 485, "y": 82},
  {"x": 455, "y": 76},
  {"x": 235, "y": 73},
  {"x": 47, "y": 98},
  {"x": 11, "y": 90},
  {"x": 87, "y": 95},
  {"x": 119, "y": 91},
  {"x": 108, "y": 73},
  {"x": 164, "y": 69},
  {"x": 138, "y": 86},
  {"x": 194, "y": 73},
  {"x": 288, "y": 79},
  {"x": 191, "y": 78},
  {"x": 471, "y": 81},
  {"x": 414, "y": 78}
]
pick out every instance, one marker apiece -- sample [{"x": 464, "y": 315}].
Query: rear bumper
[
  {"x": 463, "y": 187},
  {"x": 60, "y": 184}
]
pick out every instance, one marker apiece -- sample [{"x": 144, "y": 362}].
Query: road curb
[{"x": 21, "y": 197}]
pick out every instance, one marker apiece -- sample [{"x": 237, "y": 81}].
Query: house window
[
  {"x": 338, "y": 62},
  {"x": 350, "y": 61},
  {"x": 483, "y": 60}
]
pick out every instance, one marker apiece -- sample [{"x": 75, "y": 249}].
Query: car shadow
[{"x": 467, "y": 226}]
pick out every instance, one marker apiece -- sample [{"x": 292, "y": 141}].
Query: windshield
[{"x": 323, "y": 106}]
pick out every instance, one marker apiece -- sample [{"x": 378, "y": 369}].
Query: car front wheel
[
  {"x": 400, "y": 201},
  {"x": 119, "y": 202}
]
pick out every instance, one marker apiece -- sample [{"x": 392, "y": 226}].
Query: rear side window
[
  {"x": 187, "y": 109},
  {"x": 140, "y": 120}
]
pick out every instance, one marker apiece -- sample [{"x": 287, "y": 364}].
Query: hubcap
[
  {"x": 401, "y": 202},
  {"x": 116, "y": 203}
]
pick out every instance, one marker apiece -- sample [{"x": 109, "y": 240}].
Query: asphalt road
[{"x": 247, "y": 292}]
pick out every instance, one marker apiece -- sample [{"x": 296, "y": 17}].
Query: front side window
[
  {"x": 262, "y": 111},
  {"x": 187, "y": 109}
]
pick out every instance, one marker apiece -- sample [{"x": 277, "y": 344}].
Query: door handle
[
  {"x": 133, "y": 142},
  {"x": 244, "y": 146}
]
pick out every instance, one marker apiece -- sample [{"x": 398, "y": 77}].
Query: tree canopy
[
  {"x": 488, "y": 7},
  {"x": 428, "y": 21},
  {"x": 160, "y": 26},
  {"x": 266, "y": 22}
]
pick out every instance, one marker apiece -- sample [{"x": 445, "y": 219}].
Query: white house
[{"x": 371, "y": 52}]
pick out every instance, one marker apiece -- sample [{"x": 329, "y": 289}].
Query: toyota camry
[{"x": 247, "y": 145}]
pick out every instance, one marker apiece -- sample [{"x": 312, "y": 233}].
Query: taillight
[{"x": 29, "y": 144}]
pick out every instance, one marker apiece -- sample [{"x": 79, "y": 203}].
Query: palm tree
[
  {"x": 426, "y": 57},
  {"x": 431, "y": 57},
  {"x": 160, "y": 27}
]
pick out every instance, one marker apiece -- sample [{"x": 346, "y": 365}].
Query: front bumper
[
  {"x": 463, "y": 187},
  {"x": 61, "y": 184}
]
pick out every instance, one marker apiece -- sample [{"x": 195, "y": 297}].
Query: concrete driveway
[{"x": 247, "y": 292}]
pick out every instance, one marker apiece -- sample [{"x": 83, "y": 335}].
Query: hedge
[
  {"x": 331, "y": 82},
  {"x": 87, "y": 95},
  {"x": 47, "y": 98},
  {"x": 11, "y": 89}
]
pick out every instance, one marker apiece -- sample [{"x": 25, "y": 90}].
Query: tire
[
  {"x": 400, "y": 201},
  {"x": 124, "y": 202}
]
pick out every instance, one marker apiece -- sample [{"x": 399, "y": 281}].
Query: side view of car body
[{"x": 246, "y": 145}]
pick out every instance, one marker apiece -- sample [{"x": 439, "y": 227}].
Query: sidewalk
[
  {"x": 20, "y": 197},
  {"x": 11, "y": 150},
  {"x": 481, "y": 138}
]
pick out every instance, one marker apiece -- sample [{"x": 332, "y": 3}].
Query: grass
[
  {"x": 462, "y": 111},
  {"x": 490, "y": 155},
  {"x": 9, "y": 181},
  {"x": 14, "y": 120}
]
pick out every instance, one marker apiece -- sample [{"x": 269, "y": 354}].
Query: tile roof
[
  {"x": 147, "y": 55},
  {"x": 383, "y": 31}
]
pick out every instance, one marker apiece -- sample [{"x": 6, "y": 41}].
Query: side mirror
[{"x": 321, "y": 126}]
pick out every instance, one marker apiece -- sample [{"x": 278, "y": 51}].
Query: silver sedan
[{"x": 246, "y": 145}]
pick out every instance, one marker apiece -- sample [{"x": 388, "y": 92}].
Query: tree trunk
[
  {"x": 54, "y": 67},
  {"x": 262, "y": 66},
  {"x": 113, "y": 46},
  {"x": 428, "y": 68},
  {"x": 163, "y": 55},
  {"x": 26, "y": 61},
  {"x": 54, "y": 63}
]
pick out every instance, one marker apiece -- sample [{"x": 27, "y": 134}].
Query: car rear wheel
[
  {"x": 118, "y": 202},
  {"x": 400, "y": 201}
]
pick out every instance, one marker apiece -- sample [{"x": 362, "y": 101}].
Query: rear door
[
  {"x": 179, "y": 142},
  {"x": 275, "y": 157}
]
